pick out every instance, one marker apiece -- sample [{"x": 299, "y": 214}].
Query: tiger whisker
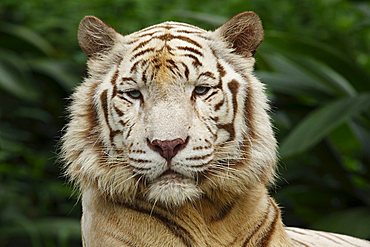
[
  {"x": 209, "y": 179},
  {"x": 222, "y": 176},
  {"x": 137, "y": 185},
  {"x": 153, "y": 206}
]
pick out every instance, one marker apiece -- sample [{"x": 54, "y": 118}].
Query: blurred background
[{"x": 315, "y": 62}]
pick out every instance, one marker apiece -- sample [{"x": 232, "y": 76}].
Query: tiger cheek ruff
[{"x": 170, "y": 142}]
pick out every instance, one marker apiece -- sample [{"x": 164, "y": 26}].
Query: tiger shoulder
[{"x": 170, "y": 141}]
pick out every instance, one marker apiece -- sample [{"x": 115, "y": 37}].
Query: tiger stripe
[
  {"x": 196, "y": 61},
  {"x": 168, "y": 37},
  {"x": 230, "y": 128},
  {"x": 113, "y": 81},
  {"x": 137, "y": 151},
  {"x": 120, "y": 95},
  {"x": 190, "y": 49},
  {"x": 266, "y": 239},
  {"x": 207, "y": 74},
  {"x": 104, "y": 104},
  {"x": 129, "y": 130},
  {"x": 141, "y": 44},
  {"x": 141, "y": 53},
  {"x": 139, "y": 160},
  {"x": 210, "y": 95},
  {"x": 220, "y": 69},
  {"x": 118, "y": 111},
  {"x": 199, "y": 157},
  {"x": 144, "y": 76},
  {"x": 134, "y": 67},
  {"x": 175, "y": 228},
  {"x": 249, "y": 113},
  {"x": 119, "y": 239},
  {"x": 188, "y": 32},
  {"x": 224, "y": 211},
  {"x": 219, "y": 104},
  {"x": 186, "y": 71},
  {"x": 261, "y": 225}
]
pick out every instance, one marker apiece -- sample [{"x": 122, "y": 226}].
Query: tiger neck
[
  {"x": 248, "y": 219},
  {"x": 220, "y": 206}
]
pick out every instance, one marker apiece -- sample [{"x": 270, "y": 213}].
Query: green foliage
[
  {"x": 33, "y": 83},
  {"x": 319, "y": 124},
  {"x": 340, "y": 221},
  {"x": 315, "y": 61}
]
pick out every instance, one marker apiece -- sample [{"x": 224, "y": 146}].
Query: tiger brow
[
  {"x": 208, "y": 74},
  {"x": 126, "y": 79}
]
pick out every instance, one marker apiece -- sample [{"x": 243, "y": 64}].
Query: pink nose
[{"x": 168, "y": 149}]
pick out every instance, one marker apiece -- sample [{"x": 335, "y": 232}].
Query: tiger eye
[
  {"x": 201, "y": 90},
  {"x": 135, "y": 94}
]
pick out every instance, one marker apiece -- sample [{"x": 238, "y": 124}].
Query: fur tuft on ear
[
  {"x": 243, "y": 32},
  {"x": 94, "y": 36}
]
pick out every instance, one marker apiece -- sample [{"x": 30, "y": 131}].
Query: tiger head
[{"x": 170, "y": 113}]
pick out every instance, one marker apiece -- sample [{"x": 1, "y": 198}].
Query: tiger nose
[{"x": 168, "y": 148}]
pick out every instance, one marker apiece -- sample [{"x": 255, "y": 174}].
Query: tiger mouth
[{"x": 170, "y": 174}]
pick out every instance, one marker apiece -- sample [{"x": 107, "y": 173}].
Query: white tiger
[{"x": 170, "y": 141}]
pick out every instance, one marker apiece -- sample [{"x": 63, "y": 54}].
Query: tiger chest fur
[{"x": 169, "y": 139}]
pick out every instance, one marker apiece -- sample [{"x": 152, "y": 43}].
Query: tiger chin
[{"x": 170, "y": 142}]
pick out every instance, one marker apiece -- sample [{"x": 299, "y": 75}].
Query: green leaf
[
  {"x": 16, "y": 61},
  {"x": 28, "y": 36},
  {"x": 352, "y": 222},
  {"x": 287, "y": 43},
  {"x": 326, "y": 76},
  {"x": 63, "y": 229},
  {"x": 11, "y": 82},
  {"x": 215, "y": 20},
  {"x": 58, "y": 70},
  {"x": 286, "y": 84},
  {"x": 294, "y": 73},
  {"x": 319, "y": 123},
  {"x": 363, "y": 135}
]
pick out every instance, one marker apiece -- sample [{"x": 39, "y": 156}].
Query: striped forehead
[
  {"x": 166, "y": 51},
  {"x": 175, "y": 28}
]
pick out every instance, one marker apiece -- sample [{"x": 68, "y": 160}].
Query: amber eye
[
  {"x": 135, "y": 94},
  {"x": 201, "y": 90}
]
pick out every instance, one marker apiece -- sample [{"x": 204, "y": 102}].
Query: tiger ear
[
  {"x": 243, "y": 32},
  {"x": 94, "y": 36}
]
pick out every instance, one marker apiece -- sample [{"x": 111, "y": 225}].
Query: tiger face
[{"x": 170, "y": 113}]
